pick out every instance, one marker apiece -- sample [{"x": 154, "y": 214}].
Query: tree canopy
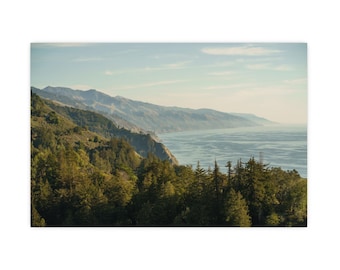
[{"x": 81, "y": 178}]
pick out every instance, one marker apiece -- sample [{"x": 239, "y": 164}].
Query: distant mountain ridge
[
  {"x": 141, "y": 116},
  {"x": 65, "y": 96}
]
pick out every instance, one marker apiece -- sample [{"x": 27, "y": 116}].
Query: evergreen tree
[{"x": 236, "y": 210}]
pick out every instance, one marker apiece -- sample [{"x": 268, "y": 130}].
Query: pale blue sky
[{"x": 267, "y": 79}]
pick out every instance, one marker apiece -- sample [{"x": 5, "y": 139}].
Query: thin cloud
[
  {"x": 169, "y": 55},
  {"x": 162, "y": 83},
  {"x": 117, "y": 72},
  {"x": 258, "y": 66},
  {"x": 267, "y": 66},
  {"x": 125, "y": 51},
  {"x": 109, "y": 72},
  {"x": 89, "y": 59},
  {"x": 296, "y": 81},
  {"x": 241, "y": 50},
  {"x": 172, "y": 66},
  {"x": 267, "y": 59},
  {"x": 283, "y": 68},
  {"x": 230, "y": 86},
  {"x": 225, "y": 64},
  {"x": 222, "y": 73},
  {"x": 151, "y": 84},
  {"x": 177, "y": 65}
]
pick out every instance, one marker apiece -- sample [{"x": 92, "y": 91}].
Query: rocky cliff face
[
  {"x": 144, "y": 144},
  {"x": 95, "y": 122}
]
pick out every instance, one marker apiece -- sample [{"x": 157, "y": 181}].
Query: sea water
[{"x": 282, "y": 146}]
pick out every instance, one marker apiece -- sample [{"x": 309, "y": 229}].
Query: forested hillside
[
  {"x": 143, "y": 143},
  {"x": 81, "y": 178}
]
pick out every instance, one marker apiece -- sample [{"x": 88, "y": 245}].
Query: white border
[{"x": 185, "y": 21}]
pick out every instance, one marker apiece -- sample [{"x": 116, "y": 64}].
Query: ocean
[{"x": 282, "y": 146}]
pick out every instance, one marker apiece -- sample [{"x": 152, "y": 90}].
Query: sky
[{"x": 265, "y": 79}]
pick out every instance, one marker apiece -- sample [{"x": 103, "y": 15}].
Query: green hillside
[
  {"x": 82, "y": 178},
  {"x": 95, "y": 122}
]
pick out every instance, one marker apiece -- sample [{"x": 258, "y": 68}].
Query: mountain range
[{"x": 142, "y": 117}]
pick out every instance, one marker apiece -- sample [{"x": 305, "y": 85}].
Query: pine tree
[{"x": 236, "y": 210}]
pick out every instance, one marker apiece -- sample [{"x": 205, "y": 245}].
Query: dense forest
[{"x": 83, "y": 178}]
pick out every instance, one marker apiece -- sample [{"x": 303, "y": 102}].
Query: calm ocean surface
[{"x": 281, "y": 146}]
